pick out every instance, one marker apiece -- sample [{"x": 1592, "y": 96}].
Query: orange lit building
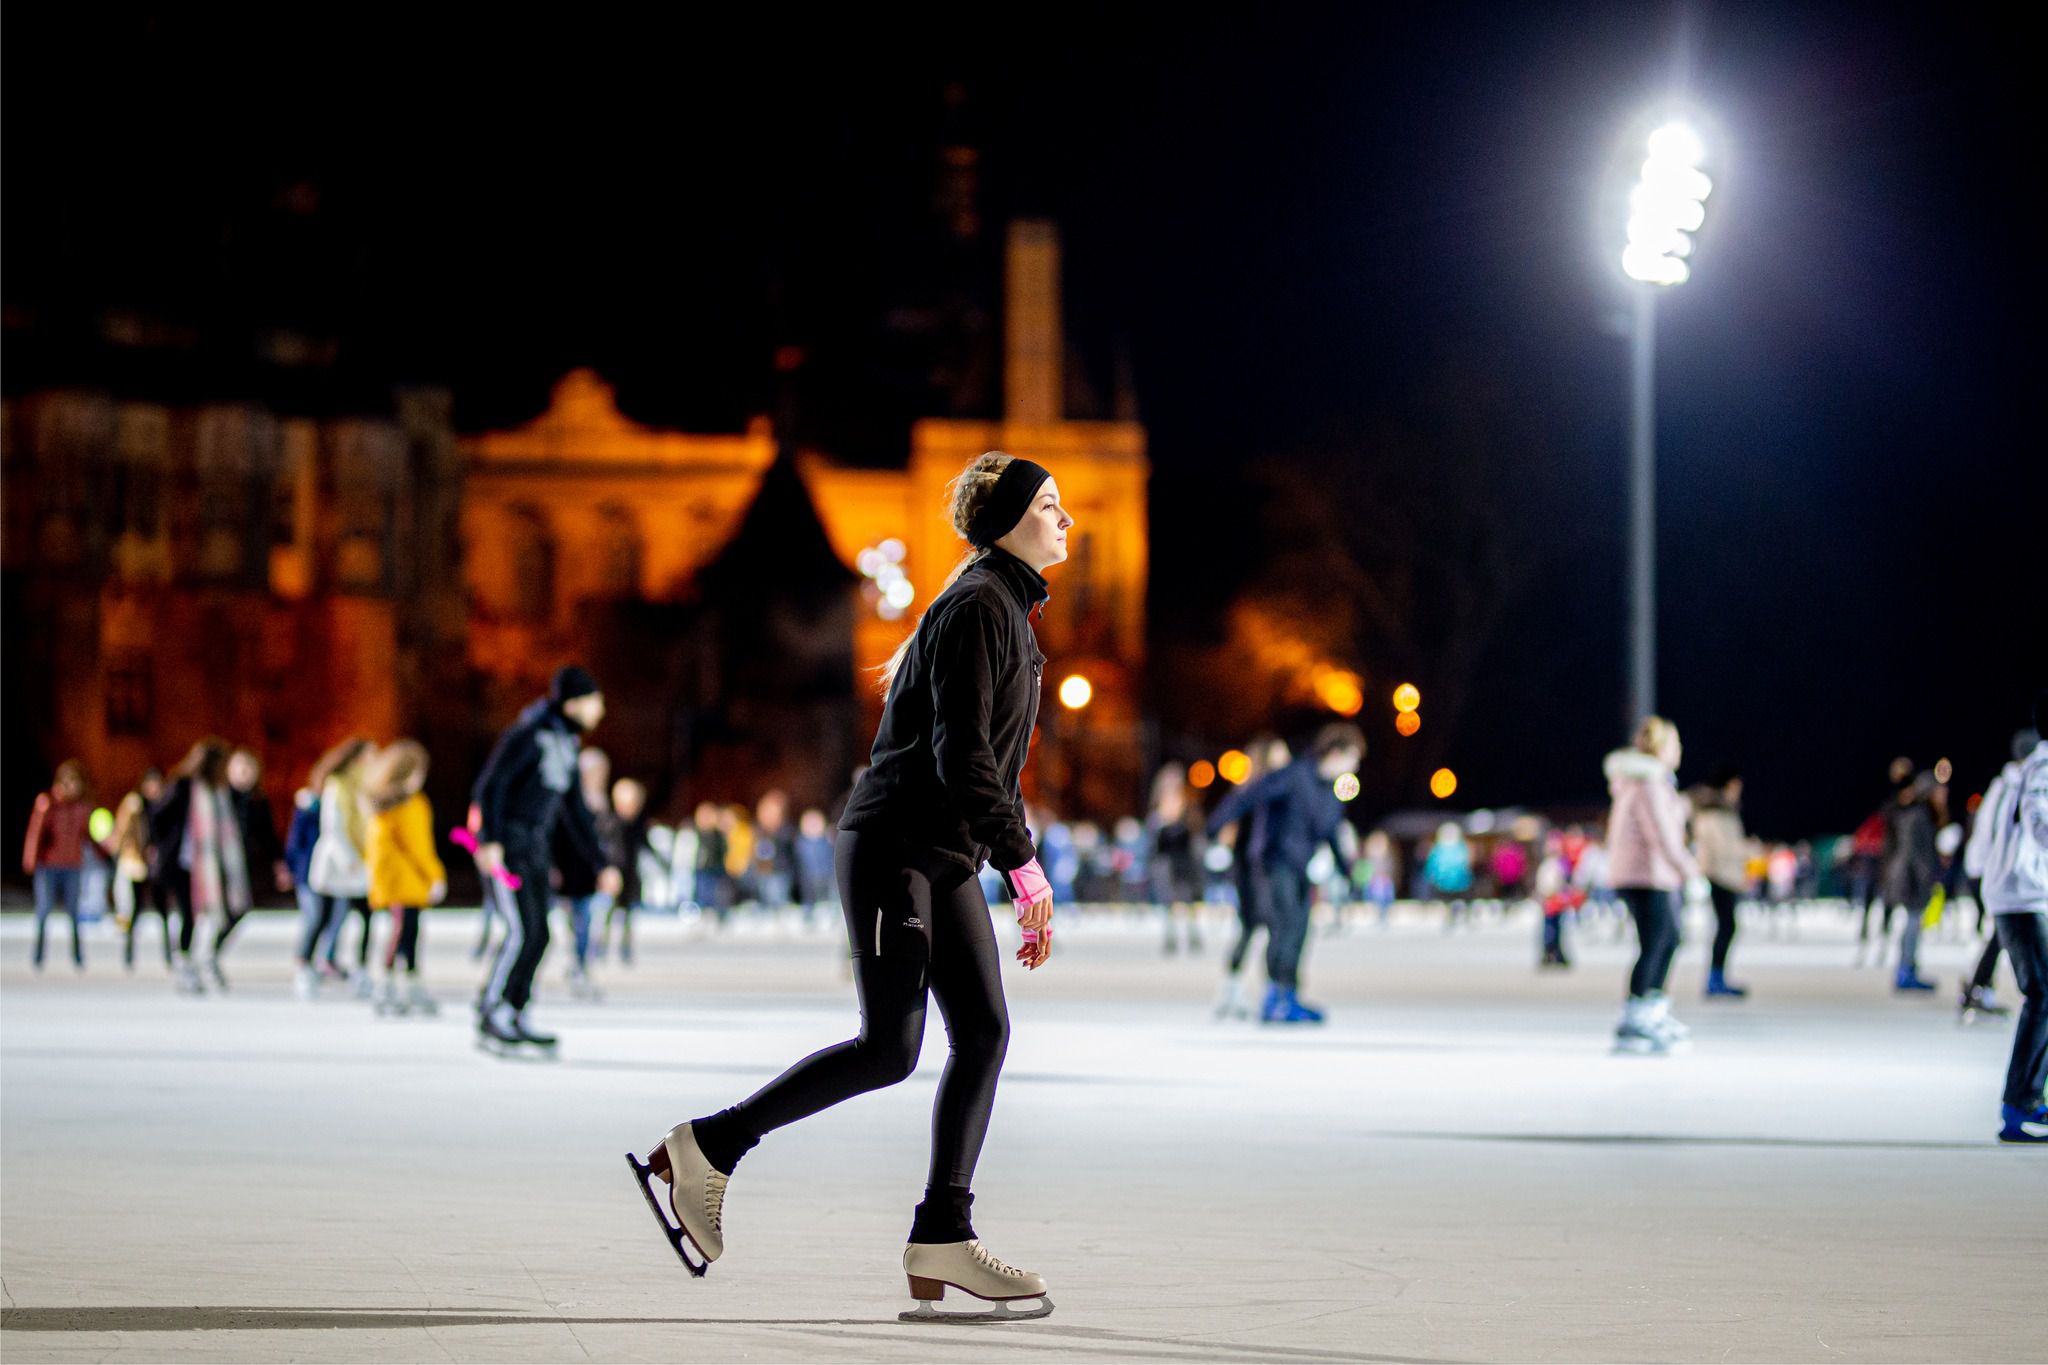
[
  {"x": 583, "y": 522},
  {"x": 174, "y": 570}
]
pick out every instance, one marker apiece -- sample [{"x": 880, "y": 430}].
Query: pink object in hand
[{"x": 466, "y": 839}]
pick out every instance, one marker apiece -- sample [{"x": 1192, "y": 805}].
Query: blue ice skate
[{"x": 2022, "y": 1126}]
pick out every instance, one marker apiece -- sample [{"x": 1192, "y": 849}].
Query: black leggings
[
  {"x": 1251, "y": 906},
  {"x": 913, "y": 923},
  {"x": 405, "y": 939},
  {"x": 1656, "y": 916},
  {"x": 1724, "y": 925}
]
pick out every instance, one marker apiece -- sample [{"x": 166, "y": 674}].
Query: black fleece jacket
[
  {"x": 957, "y": 725},
  {"x": 529, "y": 780}
]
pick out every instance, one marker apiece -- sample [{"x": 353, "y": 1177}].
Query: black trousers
[
  {"x": 2025, "y": 936},
  {"x": 915, "y": 924},
  {"x": 177, "y": 891},
  {"x": 148, "y": 895},
  {"x": 1724, "y": 925},
  {"x": 1287, "y": 908},
  {"x": 1656, "y": 915},
  {"x": 1251, "y": 908},
  {"x": 405, "y": 939},
  {"x": 526, "y": 924}
]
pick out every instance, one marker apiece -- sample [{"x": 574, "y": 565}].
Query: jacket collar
[{"x": 1027, "y": 583}]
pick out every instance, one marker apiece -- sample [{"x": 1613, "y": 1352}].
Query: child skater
[{"x": 406, "y": 874}]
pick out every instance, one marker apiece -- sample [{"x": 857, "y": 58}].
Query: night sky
[{"x": 1299, "y": 229}]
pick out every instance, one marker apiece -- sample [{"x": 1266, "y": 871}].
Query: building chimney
[{"x": 1033, "y": 345}]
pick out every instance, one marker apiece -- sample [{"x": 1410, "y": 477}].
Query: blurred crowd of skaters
[{"x": 200, "y": 846}]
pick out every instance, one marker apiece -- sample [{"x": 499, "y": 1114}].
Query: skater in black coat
[
  {"x": 529, "y": 780},
  {"x": 1300, "y": 810},
  {"x": 941, "y": 798}
]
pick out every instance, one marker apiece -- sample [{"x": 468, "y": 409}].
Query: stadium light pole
[{"x": 1667, "y": 205}]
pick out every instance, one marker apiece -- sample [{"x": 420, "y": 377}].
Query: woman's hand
[{"x": 1035, "y": 919}]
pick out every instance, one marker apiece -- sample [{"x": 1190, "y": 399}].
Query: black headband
[{"x": 1015, "y": 487}]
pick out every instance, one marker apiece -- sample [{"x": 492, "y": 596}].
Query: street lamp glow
[
  {"x": 1668, "y": 202},
  {"x": 1407, "y": 697},
  {"x": 1076, "y": 692},
  {"x": 1442, "y": 783}
]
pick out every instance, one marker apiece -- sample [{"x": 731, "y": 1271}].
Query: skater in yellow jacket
[{"x": 406, "y": 874}]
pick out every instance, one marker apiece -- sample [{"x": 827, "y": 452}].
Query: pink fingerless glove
[{"x": 1027, "y": 884}]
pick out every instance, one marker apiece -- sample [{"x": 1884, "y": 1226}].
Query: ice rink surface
[{"x": 1454, "y": 1169}]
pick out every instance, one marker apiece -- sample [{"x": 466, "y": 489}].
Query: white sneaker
[{"x": 971, "y": 1268}]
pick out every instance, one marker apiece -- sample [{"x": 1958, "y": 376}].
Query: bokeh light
[
  {"x": 100, "y": 824},
  {"x": 1076, "y": 692},
  {"x": 1442, "y": 783},
  {"x": 1339, "y": 689},
  {"x": 1407, "y": 722},
  {"x": 1407, "y": 698},
  {"x": 1346, "y": 787},
  {"x": 1202, "y": 775},
  {"x": 1234, "y": 766},
  {"x": 1944, "y": 770}
]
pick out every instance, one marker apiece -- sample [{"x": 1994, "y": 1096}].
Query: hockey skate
[
  {"x": 696, "y": 1201},
  {"x": 970, "y": 1268},
  {"x": 502, "y": 1033}
]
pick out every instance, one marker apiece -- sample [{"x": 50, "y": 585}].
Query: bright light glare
[
  {"x": 1235, "y": 766},
  {"x": 1076, "y": 692},
  {"x": 1668, "y": 202},
  {"x": 1676, "y": 142},
  {"x": 1407, "y": 697},
  {"x": 1346, "y": 787},
  {"x": 1442, "y": 783}
]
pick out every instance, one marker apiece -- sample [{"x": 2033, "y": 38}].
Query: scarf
[{"x": 212, "y": 852}]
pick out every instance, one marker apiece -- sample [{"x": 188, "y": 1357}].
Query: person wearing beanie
[
  {"x": 940, "y": 799},
  {"x": 529, "y": 781}
]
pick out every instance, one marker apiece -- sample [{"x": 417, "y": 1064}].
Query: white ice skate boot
[
  {"x": 417, "y": 999},
  {"x": 696, "y": 1196},
  {"x": 971, "y": 1269},
  {"x": 388, "y": 1001},
  {"x": 1662, "y": 1020},
  {"x": 306, "y": 983},
  {"x": 188, "y": 979},
  {"x": 1233, "y": 1003},
  {"x": 1635, "y": 1034}
]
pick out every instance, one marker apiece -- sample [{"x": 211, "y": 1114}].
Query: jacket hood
[
  {"x": 1632, "y": 765},
  {"x": 535, "y": 710}
]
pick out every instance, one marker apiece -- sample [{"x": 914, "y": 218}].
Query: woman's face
[
  {"x": 1671, "y": 752},
  {"x": 1040, "y": 539}
]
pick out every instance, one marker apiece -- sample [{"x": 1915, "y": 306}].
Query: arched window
[
  {"x": 530, "y": 547},
  {"x": 621, "y": 554}
]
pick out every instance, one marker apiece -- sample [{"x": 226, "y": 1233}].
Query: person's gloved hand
[{"x": 1032, "y": 895}]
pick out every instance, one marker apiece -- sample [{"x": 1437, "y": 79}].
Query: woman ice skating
[
  {"x": 406, "y": 875},
  {"x": 54, "y": 853},
  {"x": 197, "y": 844},
  {"x": 335, "y": 868},
  {"x": 1724, "y": 851},
  {"x": 1649, "y": 866},
  {"x": 941, "y": 798}
]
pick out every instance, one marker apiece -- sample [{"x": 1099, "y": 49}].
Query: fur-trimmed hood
[{"x": 1633, "y": 765}]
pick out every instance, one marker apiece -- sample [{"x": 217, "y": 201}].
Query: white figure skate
[
  {"x": 970, "y": 1268},
  {"x": 696, "y": 1196}
]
